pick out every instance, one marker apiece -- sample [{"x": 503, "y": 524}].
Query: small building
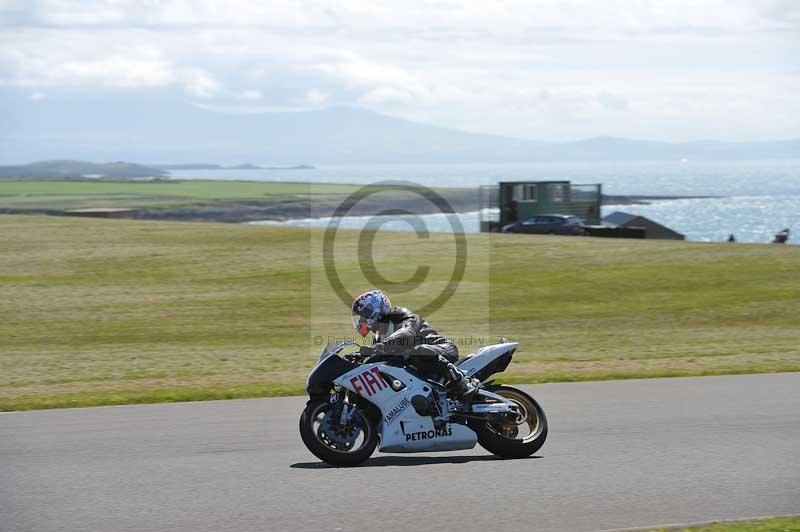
[
  {"x": 652, "y": 229},
  {"x": 512, "y": 201}
]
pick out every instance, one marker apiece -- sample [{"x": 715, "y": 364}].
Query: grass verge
[{"x": 776, "y": 524}]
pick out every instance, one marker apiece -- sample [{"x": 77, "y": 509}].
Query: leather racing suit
[{"x": 410, "y": 336}]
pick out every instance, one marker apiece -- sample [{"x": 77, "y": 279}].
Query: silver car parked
[{"x": 548, "y": 224}]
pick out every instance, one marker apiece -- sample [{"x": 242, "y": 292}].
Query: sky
[{"x": 674, "y": 70}]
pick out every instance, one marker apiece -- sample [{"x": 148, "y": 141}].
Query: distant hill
[
  {"x": 189, "y": 166},
  {"x": 611, "y": 148},
  {"x": 67, "y": 169},
  {"x": 150, "y": 130},
  {"x": 243, "y": 166}
]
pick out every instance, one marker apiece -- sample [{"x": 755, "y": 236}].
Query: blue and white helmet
[{"x": 368, "y": 309}]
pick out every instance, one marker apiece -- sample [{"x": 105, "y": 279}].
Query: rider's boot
[{"x": 463, "y": 385}]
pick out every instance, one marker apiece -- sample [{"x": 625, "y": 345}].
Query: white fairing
[
  {"x": 327, "y": 352},
  {"x": 485, "y": 356},
  {"x": 402, "y": 429}
]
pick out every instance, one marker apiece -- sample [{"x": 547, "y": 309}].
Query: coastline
[
  {"x": 240, "y": 201},
  {"x": 463, "y": 201}
]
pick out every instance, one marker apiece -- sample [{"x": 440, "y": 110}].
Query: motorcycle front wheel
[
  {"x": 521, "y": 438},
  {"x": 340, "y": 444}
]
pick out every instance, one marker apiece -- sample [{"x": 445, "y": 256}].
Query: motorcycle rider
[{"x": 400, "y": 332}]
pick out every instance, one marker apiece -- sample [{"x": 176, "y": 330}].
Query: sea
[{"x": 752, "y": 200}]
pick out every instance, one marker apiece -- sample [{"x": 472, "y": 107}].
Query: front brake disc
[{"x": 341, "y": 436}]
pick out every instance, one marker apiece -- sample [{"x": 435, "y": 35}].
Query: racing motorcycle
[{"x": 356, "y": 405}]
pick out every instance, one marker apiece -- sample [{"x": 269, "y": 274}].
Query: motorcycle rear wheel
[
  {"x": 502, "y": 439},
  {"x": 332, "y": 448}
]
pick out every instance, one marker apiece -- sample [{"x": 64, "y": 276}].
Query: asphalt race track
[{"x": 620, "y": 454}]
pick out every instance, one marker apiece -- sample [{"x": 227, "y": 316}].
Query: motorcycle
[{"x": 356, "y": 405}]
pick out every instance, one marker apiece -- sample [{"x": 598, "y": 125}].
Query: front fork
[{"x": 343, "y": 408}]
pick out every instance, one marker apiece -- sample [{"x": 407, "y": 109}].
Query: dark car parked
[{"x": 548, "y": 224}]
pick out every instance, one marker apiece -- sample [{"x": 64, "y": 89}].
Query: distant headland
[
  {"x": 119, "y": 170},
  {"x": 243, "y": 166}
]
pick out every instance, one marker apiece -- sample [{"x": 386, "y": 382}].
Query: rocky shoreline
[
  {"x": 460, "y": 200},
  {"x": 645, "y": 200},
  {"x": 243, "y": 211}
]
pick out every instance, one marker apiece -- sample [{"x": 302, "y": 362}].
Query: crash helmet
[{"x": 368, "y": 309}]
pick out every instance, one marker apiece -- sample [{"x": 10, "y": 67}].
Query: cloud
[
  {"x": 112, "y": 71},
  {"x": 85, "y": 61},
  {"x": 421, "y": 18},
  {"x": 358, "y": 71},
  {"x": 315, "y": 97},
  {"x": 544, "y": 69},
  {"x": 251, "y": 95},
  {"x": 31, "y": 60},
  {"x": 199, "y": 83},
  {"x": 386, "y": 95},
  {"x": 780, "y": 14},
  {"x": 611, "y": 101}
]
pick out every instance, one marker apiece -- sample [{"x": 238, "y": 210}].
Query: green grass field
[
  {"x": 122, "y": 311},
  {"x": 776, "y": 524},
  {"x": 53, "y": 194},
  {"x": 208, "y": 200}
]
